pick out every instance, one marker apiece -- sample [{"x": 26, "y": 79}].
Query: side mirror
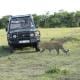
[
  {"x": 6, "y": 28},
  {"x": 36, "y": 26}
]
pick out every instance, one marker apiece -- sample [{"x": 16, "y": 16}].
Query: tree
[{"x": 4, "y": 21}]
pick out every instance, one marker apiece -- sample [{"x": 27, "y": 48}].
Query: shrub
[{"x": 53, "y": 70}]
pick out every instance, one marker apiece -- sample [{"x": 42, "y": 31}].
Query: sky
[{"x": 22, "y": 7}]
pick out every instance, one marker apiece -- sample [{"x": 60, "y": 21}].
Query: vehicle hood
[{"x": 22, "y": 30}]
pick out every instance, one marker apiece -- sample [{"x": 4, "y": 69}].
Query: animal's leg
[
  {"x": 42, "y": 50},
  {"x": 49, "y": 50},
  {"x": 57, "y": 50},
  {"x": 65, "y": 51}
]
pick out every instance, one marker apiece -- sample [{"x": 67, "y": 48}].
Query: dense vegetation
[
  {"x": 4, "y": 22},
  {"x": 57, "y": 19}
]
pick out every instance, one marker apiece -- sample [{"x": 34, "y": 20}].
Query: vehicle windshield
[{"x": 20, "y": 23}]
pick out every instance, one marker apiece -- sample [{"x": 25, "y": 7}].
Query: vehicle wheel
[
  {"x": 11, "y": 49},
  {"x": 37, "y": 48}
]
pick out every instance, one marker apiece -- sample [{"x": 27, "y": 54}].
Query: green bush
[
  {"x": 57, "y": 70},
  {"x": 53, "y": 70}
]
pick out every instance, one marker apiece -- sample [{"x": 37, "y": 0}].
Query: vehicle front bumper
[{"x": 23, "y": 41}]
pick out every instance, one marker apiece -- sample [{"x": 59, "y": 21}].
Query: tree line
[{"x": 57, "y": 19}]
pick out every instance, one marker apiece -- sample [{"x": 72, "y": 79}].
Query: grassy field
[{"x": 31, "y": 65}]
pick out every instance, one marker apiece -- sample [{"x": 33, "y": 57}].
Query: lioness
[
  {"x": 57, "y": 44},
  {"x": 53, "y": 45}
]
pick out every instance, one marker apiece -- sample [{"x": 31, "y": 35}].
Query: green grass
[{"x": 31, "y": 65}]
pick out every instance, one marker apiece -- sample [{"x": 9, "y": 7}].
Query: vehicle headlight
[
  {"x": 14, "y": 36},
  {"x": 31, "y": 34},
  {"x": 9, "y": 35}
]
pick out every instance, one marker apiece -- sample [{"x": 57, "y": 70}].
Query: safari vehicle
[{"x": 21, "y": 32}]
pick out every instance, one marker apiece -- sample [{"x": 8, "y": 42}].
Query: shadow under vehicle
[{"x": 21, "y": 32}]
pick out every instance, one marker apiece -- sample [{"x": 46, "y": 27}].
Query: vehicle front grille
[{"x": 22, "y": 35}]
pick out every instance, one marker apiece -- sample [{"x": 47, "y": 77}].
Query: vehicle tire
[
  {"x": 11, "y": 48},
  {"x": 37, "y": 46}
]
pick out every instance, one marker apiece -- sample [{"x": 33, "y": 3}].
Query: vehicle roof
[{"x": 21, "y": 15}]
